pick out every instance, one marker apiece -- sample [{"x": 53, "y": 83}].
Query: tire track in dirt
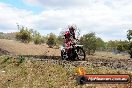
[
  {"x": 124, "y": 64},
  {"x": 5, "y": 52}
]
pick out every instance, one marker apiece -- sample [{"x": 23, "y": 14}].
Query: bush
[
  {"x": 43, "y": 39},
  {"x": 100, "y": 44},
  {"x": 51, "y": 42},
  {"x": 21, "y": 59},
  {"x": 37, "y": 39},
  {"x": 24, "y": 35},
  {"x": 119, "y": 48}
]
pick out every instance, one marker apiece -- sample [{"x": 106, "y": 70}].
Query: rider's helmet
[
  {"x": 67, "y": 34},
  {"x": 71, "y": 29}
]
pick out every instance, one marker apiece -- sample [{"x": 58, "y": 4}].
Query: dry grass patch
[{"x": 47, "y": 74}]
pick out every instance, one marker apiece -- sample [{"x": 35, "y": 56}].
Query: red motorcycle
[{"x": 77, "y": 52}]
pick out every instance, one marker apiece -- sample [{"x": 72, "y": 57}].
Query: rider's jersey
[
  {"x": 72, "y": 35},
  {"x": 69, "y": 39}
]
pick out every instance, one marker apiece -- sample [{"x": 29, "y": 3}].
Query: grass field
[{"x": 47, "y": 74}]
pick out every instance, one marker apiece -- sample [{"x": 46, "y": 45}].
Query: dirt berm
[{"x": 17, "y": 48}]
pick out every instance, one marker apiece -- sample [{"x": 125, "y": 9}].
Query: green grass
[{"x": 42, "y": 74}]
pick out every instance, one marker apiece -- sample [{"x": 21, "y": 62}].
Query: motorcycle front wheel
[{"x": 81, "y": 54}]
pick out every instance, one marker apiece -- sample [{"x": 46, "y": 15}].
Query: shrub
[
  {"x": 24, "y": 35},
  {"x": 51, "y": 40},
  {"x": 119, "y": 48},
  {"x": 37, "y": 38},
  {"x": 21, "y": 59},
  {"x": 43, "y": 39}
]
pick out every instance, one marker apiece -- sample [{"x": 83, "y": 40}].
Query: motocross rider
[{"x": 69, "y": 38}]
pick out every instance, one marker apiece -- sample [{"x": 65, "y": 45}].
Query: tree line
[
  {"x": 90, "y": 41},
  {"x": 26, "y": 35}
]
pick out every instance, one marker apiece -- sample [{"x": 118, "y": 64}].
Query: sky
[{"x": 109, "y": 19}]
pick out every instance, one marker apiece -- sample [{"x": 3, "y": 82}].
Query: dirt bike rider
[{"x": 69, "y": 38}]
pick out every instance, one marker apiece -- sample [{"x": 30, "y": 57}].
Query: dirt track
[{"x": 118, "y": 64}]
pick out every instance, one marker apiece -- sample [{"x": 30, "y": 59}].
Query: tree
[
  {"x": 124, "y": 44},
  {"x": 51, "y": 40},
  {"x": 111, "y": 45},
  {"x": 118, "y": 45},
  {"x": 100, "y": 44},
  {"x": 24, "y": 35},
  {"x": 89, "y": 42}
]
